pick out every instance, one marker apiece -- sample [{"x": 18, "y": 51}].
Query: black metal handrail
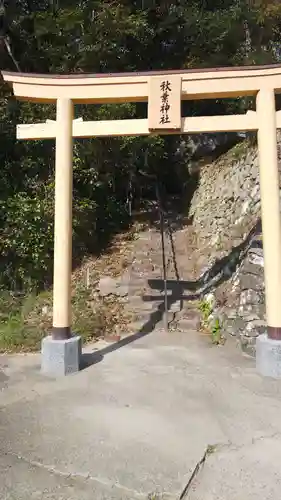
[
  {"x": 162, "y": 214},
  {"x": 162, "y": 229}
]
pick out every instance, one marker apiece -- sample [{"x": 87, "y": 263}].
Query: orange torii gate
[{"x": 164, "y": 92}]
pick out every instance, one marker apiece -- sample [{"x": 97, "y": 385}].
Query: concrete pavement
[{"x": 137, "y": 421}]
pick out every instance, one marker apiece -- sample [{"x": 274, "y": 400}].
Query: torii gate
[{"x": 164, "y": 91}]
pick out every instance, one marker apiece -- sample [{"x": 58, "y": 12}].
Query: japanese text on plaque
[{"x": 166, "y": 89}]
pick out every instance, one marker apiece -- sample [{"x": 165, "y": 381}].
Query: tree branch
[{"x": 10, "y": 52}]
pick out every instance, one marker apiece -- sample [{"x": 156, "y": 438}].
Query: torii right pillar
[{"x": 268, "y": 347}]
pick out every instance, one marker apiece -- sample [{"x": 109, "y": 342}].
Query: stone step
[
  {"x": 145, "y": 314},
  {"x": 149, "y": 307},
  {"x": 186, "y": 324},
  {"x": 136, "y": 278},
  {"x": 189, "y": 309},
  {"x": 134, "y": 327},
  {"x": 136, "y": 300},
  {"x": 146, "y": 297},
  {"x": 154, "y": 314},
  {"x": 143, "y": 307},
  {"x": 171, "y": 320},
  {"x": 147, "y": 294},
  {"x": 137, "y": 326},
  {"x": 175, "y": 306},
  {"x": 141, "y": 282}
]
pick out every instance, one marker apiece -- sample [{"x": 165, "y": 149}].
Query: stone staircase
[{"x": 145, "y": 302}]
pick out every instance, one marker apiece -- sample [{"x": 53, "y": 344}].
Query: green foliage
[
  {"x": 16, "y": 333},
  {"x": 26, "y": 239},
  {"x": 106, "y": 36},
  {"x": 214, "y": 327},
  {"x": 206, "y": 310},
  {"x": 216, "y": 332},
  {"x": 26, "y": 318},
  {"x": 239, "y": 150}
]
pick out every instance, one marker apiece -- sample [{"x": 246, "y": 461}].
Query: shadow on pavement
[{"x": 210, "y": 278}]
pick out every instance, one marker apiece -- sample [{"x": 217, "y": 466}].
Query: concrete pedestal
[
  {"x": 60, "y": 357},
  {"x": 268, "y": 357}
]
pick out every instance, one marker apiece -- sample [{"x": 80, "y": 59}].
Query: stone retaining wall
[{"x": 226, "y": 216}]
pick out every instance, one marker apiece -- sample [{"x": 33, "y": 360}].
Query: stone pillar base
[
  {"x": 60, "y": 357},
  {"x": 268, "y": 357}
]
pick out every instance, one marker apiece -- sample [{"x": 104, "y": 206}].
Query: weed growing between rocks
[
  {"x": 210, "y": 322},
  {"x": 206, "y": 310},
  {"x": 216, "y": 332}
]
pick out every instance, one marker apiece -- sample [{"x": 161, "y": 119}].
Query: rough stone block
[
  {"x": 255, "y": 328},
  {"x": 234, "y": 326},
  {"x": 268, "y": 357},
  {"x": 248, "y": 268},
  {"x": 248, "y": 345},
  {"x": 251, "y": 297},
  {"x": 189, "y": 324},
  {"x": 252, "y": 281},
  {"x": 61, "y": 357},
  {"x": 258, "y": 309},
  {"x": 107, "y": 286},
  {"x": 256, "y": 259}
]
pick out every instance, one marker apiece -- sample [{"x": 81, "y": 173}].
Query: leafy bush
[
  {"x": 26, "y": 241},
  {"x": 26, "y": 318}
]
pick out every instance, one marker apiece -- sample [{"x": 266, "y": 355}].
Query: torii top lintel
[{"x": 133, "y": 87}]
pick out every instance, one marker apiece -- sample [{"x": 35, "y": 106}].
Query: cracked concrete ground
[{"x": 137, "y": 421}]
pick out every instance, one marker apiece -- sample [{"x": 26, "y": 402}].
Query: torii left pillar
[{"x": 61, "y": 352}]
